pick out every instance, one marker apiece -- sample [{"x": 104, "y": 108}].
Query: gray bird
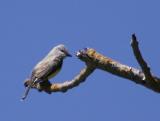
[{"x": 48, "y": 67}]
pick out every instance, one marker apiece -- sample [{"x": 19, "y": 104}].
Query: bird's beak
[{"x": 69, "y": 55}]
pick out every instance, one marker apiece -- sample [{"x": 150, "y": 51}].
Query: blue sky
[{"x": 29, "y": 29}]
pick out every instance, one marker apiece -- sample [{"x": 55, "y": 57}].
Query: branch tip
[{"x": 134, "y": 41}]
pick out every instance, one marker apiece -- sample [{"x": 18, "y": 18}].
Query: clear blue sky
[{"x": 30, "y": 28}]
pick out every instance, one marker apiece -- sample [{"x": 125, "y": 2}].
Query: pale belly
[{"x": 54, "y": 74}]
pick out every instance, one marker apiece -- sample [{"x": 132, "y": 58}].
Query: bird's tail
[
  {"x": 28, "y": 87},
  {"x": 26, "y": 93}
]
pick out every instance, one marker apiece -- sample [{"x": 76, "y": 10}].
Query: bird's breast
[{"x": 54, "y": 73}]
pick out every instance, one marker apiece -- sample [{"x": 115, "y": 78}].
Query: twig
[
  {"x": 145, "y": 68},
  {"x": 140, "y": 60}
]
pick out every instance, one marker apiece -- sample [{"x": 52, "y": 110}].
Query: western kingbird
[{"x": 47, "y": 67}]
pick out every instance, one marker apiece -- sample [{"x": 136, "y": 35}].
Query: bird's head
[{"x": 61, "y": 50}]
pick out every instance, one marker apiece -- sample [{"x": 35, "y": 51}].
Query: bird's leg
[{"x": 45, "y": 86}]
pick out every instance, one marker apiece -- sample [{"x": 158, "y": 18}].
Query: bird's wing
[{"x": 46, "y": 68}]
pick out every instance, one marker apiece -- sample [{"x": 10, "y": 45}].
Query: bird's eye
[{"x": 62, "y": 51}]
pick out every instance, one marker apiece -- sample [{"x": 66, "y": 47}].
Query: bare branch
[
  {"x": 118, "y": 69},
  {"x": 81, "y": 77}
]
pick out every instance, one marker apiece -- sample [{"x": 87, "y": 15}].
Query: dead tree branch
[{"x": 95, "y": 60}]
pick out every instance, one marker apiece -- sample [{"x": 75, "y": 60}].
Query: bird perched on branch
[{"x": 47, "y": 67}]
